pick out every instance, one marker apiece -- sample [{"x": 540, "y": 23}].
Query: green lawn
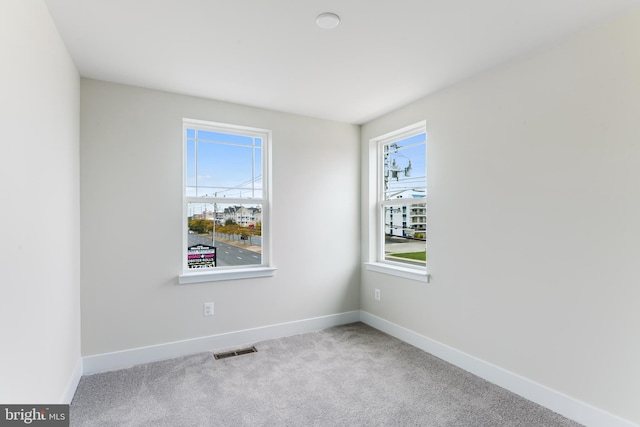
[{"x": 420, "y": 256}]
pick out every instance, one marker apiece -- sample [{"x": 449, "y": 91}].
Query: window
[
  {"x": 226, "y": 202},
  {"x": 400, "y": 179}
]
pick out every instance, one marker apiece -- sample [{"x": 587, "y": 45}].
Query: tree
[
  {"x": 257, "y": 229},
  {"x": 244, "y": 233},
  {"x": 200, "y": 226}
]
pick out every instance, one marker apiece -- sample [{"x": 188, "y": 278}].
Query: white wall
[
  {"x": 131, "y": 177},
  {"x": 534, "y": 218},
  {"x": 40, "y": 215}
]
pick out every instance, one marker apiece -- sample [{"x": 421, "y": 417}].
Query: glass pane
[
  {"x": 233, "y": 232},
  {"x": 405, "y": 234},
  {"x": 191, "y": 162},
  {"x": 226, "y": 169},
  {"x": 405, "y": 168},
  {"x": 257, "y": 183},
  {"x": 206, "y": 191},
  {"x": 223, "y": 164},
  {"x": 205, "y": 135}
]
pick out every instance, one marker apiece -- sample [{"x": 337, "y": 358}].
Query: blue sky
[{"x": 228, "y": 165}]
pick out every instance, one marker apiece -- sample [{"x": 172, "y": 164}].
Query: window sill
[
  {"x": 233, "y": 274},
  {"x": 393, "y": 270}
]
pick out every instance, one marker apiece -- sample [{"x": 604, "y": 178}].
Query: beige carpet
[{"x": 350, "y": 375}]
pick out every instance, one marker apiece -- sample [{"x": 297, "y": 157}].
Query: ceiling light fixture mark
[{"x": 328, "y": 20}]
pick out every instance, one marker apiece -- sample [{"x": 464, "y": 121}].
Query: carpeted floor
[{"x": 350, "y": 375}]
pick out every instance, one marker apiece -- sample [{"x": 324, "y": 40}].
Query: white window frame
[
  {"x": 266, "y": 267},
  {"x": 377, "y": 261}
]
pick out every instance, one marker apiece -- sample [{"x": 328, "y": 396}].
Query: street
[{"x": 227, "y": 255}]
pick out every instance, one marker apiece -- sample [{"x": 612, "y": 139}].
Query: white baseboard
[
  {"x": 560, "y": 403},
  {"x": 72, "y": 384},
  {"x": 565, "y": 405},
  {"x": 127, "y": 358}
]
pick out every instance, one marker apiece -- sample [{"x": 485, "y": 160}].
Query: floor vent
[{"x": 234, "y": 353}]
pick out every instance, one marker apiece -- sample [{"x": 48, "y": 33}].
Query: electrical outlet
[
  {"x": 208, "y": 309},
  {"x": 376, "y": 294}
]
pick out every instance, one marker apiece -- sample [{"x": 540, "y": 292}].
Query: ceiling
[{"x": 270, "y": 53}]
